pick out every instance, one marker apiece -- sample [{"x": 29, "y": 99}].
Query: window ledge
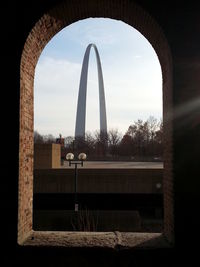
[{"x": 114, "y": 240}]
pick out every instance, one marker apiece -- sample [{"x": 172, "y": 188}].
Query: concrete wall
[
  {"x": 101, "y": 220},
  {"x": 47, "y": 156},
  {"x": 138, "y": 181}
]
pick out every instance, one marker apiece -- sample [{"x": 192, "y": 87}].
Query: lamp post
[{"x": 70, "y": 159}]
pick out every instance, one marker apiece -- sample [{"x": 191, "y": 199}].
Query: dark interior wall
[
  {"x": 182, "y": 30},
  {"x": 180, "y": 22}
]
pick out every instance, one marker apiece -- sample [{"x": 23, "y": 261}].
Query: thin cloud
[{"x": 131, "y": 70}]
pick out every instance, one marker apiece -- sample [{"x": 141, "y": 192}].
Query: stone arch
[
  {"x": 81, "y": 107},
  {"x": 52, "y": 22}
]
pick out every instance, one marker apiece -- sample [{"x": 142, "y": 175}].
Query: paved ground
[{"x": 118, "y": 165}]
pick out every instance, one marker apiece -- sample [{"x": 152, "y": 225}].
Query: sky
[{"x": 131, "y": 72}]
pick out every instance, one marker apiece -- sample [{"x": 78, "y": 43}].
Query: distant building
[{"x": 47, "y": 156}]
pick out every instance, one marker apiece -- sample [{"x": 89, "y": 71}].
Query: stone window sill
[{"x": 113, "y": 240}]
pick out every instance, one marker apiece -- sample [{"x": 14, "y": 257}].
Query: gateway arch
[{"x": 81, "y": 107}]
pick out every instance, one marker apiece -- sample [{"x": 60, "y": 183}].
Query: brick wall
[{"x": 51, "y": 23}]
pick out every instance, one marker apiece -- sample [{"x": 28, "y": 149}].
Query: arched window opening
[{"x": 130, "y": 144}]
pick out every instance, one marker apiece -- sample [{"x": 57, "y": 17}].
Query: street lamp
[{"x": 70, "y": 159}]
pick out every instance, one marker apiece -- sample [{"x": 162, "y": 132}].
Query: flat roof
[{"x": 118, "y": 165}]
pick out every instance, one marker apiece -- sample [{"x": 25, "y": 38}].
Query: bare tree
[
  {"x": 142, "y": 141},
  {"x": 152, "y": 126},
  {"x": 101, "y": 144},
  {"x": 38, "y": 138},
  {"x": 68, "y": 141},
  {"x": 114, "y": 137},
  {"x": 49, "y": 139},
  {"x": 145, "y": 136},
  {"x": 90, "y": 141}
]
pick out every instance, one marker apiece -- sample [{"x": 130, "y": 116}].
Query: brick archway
[{"x": 50, "y": 24}]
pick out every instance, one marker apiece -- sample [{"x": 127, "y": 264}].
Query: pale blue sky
[{"x": 131, "y": 71}]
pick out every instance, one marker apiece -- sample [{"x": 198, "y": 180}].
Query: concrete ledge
[
  {"x": 143, "y": 240},
  {"x": 113, "y": 240},
  {"x": 99, "y": 181},
  {"x": 71, "y": 239}
]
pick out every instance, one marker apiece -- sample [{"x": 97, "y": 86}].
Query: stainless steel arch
[{"x": 81, "y": 107}]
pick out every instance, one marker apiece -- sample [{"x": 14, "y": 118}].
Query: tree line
[{"x": 143, "y": 141}]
